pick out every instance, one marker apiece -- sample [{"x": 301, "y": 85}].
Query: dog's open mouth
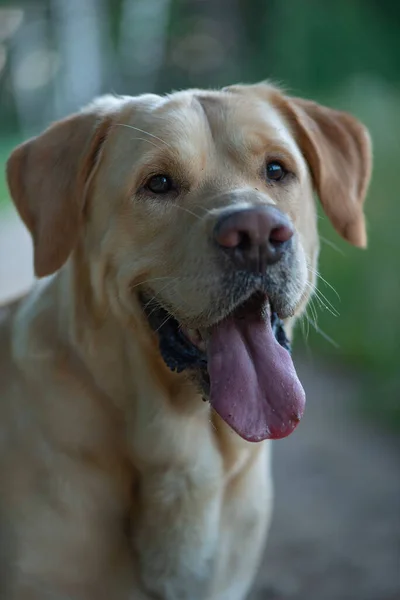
[{"x": 244, "y": 365}]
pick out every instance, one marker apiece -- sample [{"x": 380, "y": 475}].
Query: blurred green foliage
[{"x": 345, "y": 53}]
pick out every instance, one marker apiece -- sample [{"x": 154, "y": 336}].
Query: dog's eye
[
  {"x": 159, "y": 184},
  {"x": 275, "y": 171}
]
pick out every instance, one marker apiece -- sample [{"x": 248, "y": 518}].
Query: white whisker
[
  {"x": 322, "y": 333},
  {"x": 326, "y": 303},
  {"x": 187, "y": 210},
  {"x": 148, "y": 141},
  {"x": 163, "y": 323},
  {"x": 318, "y": 274},
  {"x": 132, "y": 287},
  {"x": 145, "y": 132},
  {"x": 173, "y": 280},
  {"x": 332, "y": 245}
]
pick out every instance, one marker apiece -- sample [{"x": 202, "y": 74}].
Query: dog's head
[{"x": 199, "y": 206}]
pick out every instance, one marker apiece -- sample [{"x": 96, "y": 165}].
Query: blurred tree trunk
[
  {"x": 29, "y": 46},
  {"x": 79, "y": 30},
  {"x": 206, "y": 44},
  {"x": 142, "y": 43},
  {"x": 262, "y": 23}
]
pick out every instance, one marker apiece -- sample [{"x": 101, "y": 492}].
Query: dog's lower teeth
[
  {"x": 195, "y": 338},
  {"x": 201, "y": 346}
]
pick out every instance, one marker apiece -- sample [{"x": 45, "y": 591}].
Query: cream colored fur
[{"x": 116, "y": 480}]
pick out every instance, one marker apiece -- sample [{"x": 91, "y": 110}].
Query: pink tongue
[{"x": 254, "y": 385}]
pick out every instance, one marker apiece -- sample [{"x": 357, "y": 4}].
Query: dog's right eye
[{"x": 159, "y": 184}]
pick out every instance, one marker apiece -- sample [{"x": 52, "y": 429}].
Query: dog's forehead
[{"x": 202, "y": 119}]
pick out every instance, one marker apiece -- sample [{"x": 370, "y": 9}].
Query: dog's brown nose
[{"x": 254, "y": 237}]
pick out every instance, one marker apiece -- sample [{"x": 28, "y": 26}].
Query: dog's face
[
  {"x": 199, "y": 204},
  {"x": 209, "y": 166}
]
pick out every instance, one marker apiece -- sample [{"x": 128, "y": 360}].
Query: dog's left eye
[
  {"x": 275, "y": 171},
  {"x": 159, "y": 184}
]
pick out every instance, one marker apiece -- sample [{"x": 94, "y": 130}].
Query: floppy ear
[
  {"x": 48, "y": 177},
  {"x": 337, "y": 148}
]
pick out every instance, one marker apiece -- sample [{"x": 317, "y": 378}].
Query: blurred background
[{"x": 336, "y": 532}]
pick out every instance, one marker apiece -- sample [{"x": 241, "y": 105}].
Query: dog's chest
[
  {"x": 177, "y": 513},
  {"x": 176, "y": 522},
  {"x": 188, "y": 532}
]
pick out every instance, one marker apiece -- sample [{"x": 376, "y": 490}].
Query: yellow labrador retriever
[{"x": 141, "y": 382}]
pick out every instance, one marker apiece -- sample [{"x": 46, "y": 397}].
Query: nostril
[
  {"x": 234, "y": 239},
  {"x": 245, "y": 241},
  {"x": 280, "y": 235},
  {"x": 230, "y": 238}
]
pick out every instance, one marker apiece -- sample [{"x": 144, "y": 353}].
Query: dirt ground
[{"x": 336, "y": 527}]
